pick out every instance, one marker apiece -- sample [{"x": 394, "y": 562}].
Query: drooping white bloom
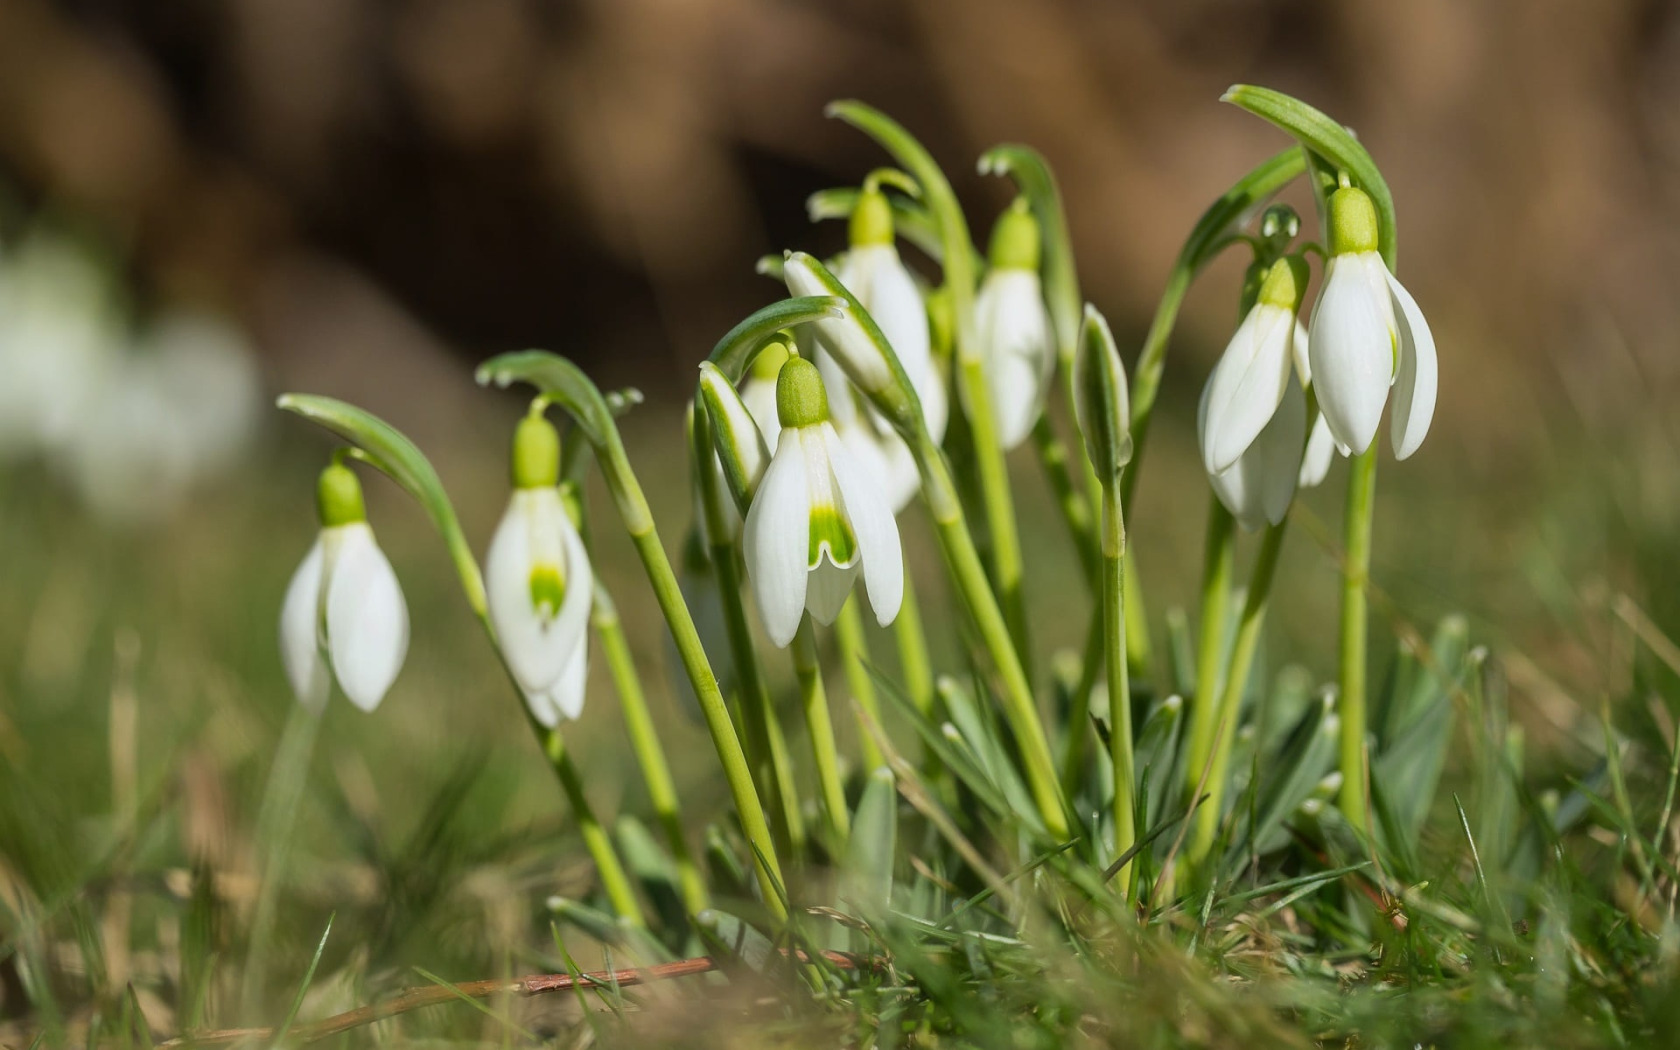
[
  {"x": 817, "y": 520},
  {"x": 1017, "y": 342},
  {"x": 1260, "y": 485},
  {"x": 1367, "y": 336},
  {"x": 538, "y": 583},
  {"x": 344, "y": 617},
  {"x": 877, "y": 447},
  {"x": 883, "y": 286}
]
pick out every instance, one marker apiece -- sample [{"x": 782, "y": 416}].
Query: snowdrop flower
[
  {"x": 1249, "y": 383},
  {"x": 1368, "y": 335},
  {"x": 1258, "y": 488},
  {"x": 538, "y": 582},
  {"x": 344, "y": 617},
  {"x": 1017, "y": 344},
  {"x": 878, "y": 278},
  {"x": 817, "y": 520}
]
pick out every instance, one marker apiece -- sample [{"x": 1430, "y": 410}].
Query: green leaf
[
  {"x": 1318, "y": 132},
  {"x": 1288, "y": 778},
  {"x": 724, "y": 868},
  {"x": 1246, "y": 197},
  {"x": 1157, "y": 743},
  {"x": 866, "y": 875},
  {"x": 1033, "y": 177},
  {"x": 910, "y": 218},
  {"x": 734, "y": 353},
  {"x": 385, "y": 447},
  {"x": 652, "y": 867}
]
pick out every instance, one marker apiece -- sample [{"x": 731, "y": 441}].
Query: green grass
[{"x": 1525, "y": 899}]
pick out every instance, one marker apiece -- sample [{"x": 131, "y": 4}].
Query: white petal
[
  {"x": 882, "y": 283},
  {"x": 1017, "y": 349},
  {"x": 828, "y": 586},
  {"x": 759, "y": 395},
  {"x": 367, "y": 620},
  {"x": 776, "y": 539},
  {"x": 542, "y": 706},
  {"x": 300, "y": 644},
  {"x": 844, "y": 336},
  {"x": 1414, "y": 385},
  {"x": 1321, "y": 452},
  {"x": 843, "y": 404},
  {"x": 1247, "y": 384},
  {"x": 535, "y": 525},
  {"x": 1303, "y": 360},
  {"x": 1277, "y": 453},
  {"x": 571, "y": 690},
  {"x": 876, "y": 531},
  {"x": 1351, "y": 346}
]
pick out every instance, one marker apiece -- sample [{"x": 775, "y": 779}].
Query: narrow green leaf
[
  {"x": 1318, "y": 132},
  {"x": 388, "y": 449},
  {"x": 1287, "y": 779},
  {"x": 734, "y": 938},
  {"x": 649, "y": 864}
]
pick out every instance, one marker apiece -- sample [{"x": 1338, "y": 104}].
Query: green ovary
[
  {"x": 548, "y": 590},
  {"x": 829, "y": 527}
]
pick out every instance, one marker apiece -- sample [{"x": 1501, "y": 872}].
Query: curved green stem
[
  {"x": 854, "y": 660},
  {"x": 1361, "y": 504},
  {"x": 1019, "y": 706},
  {"x": 644, "y": 740},
  {"x": 1236, "y": 683},
  {"x": 821, "y": 729},
  {"x": 1114, "y": 660},
  {"x": 1218, "y": 555},
  {"x": 563, "y": 381}
]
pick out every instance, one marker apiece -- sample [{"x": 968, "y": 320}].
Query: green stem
[
  {"x": 854, "y": 659},
  {"x": 1019, "y": 707},
  {"x": 1137, "y": 618},
  {"x": 1218, "y": 554},
  {"x": 1361, "y": 503},
  {"x": 993, "y": 473},
  {"x": 758, "y": 710},
  {"x": 595, "y": 838},
  {"x": 821, "y": 728},
  {"x": 1076, "y": 510},
  {"x": 1114, "y": 659},
  {"x": 1236, "y": 683},
  {"x": 1079, "y": 704},
  {"x": 771, "y": 772},
  {"x": 644, "y": 740}
]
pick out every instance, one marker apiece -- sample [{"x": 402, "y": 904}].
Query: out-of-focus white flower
[
  {"x": 1368, "y": 335},
  {"x": 1017, "y": 342},
  {"x": 343, "y": 617},
  {"x": 59, "y": 337},
  {"x": 538, "y": 582},
  {"x": 817, "y": 520}
]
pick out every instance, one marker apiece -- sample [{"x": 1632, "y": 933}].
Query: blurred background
[{"x": 203, "y": 204}]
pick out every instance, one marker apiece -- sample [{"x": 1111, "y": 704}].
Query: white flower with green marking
[
  {"x": 538, "y": 582},
  {"x": 818, "y": 519},
  {"x": 1017, "y": 342},
  {"x": 344, "y": 617},
  {"x": 1368, "y": 336}
]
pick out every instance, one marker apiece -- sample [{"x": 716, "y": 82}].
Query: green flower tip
[
  {"x": 1285, "y": 283},
  {"x": 768, "y": 364},
  {"x": 1353, "y": 222},
  {"x": 1016, "y": 243},
  {"x": 338, "y": 497},
  {"x": 801, "y": 400},
  {"x": 548, "y": 590},
  {"x": 872, "y": 221},
  {"x": 942, "y": 320},
  {"x": 536, "y": 453}
]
